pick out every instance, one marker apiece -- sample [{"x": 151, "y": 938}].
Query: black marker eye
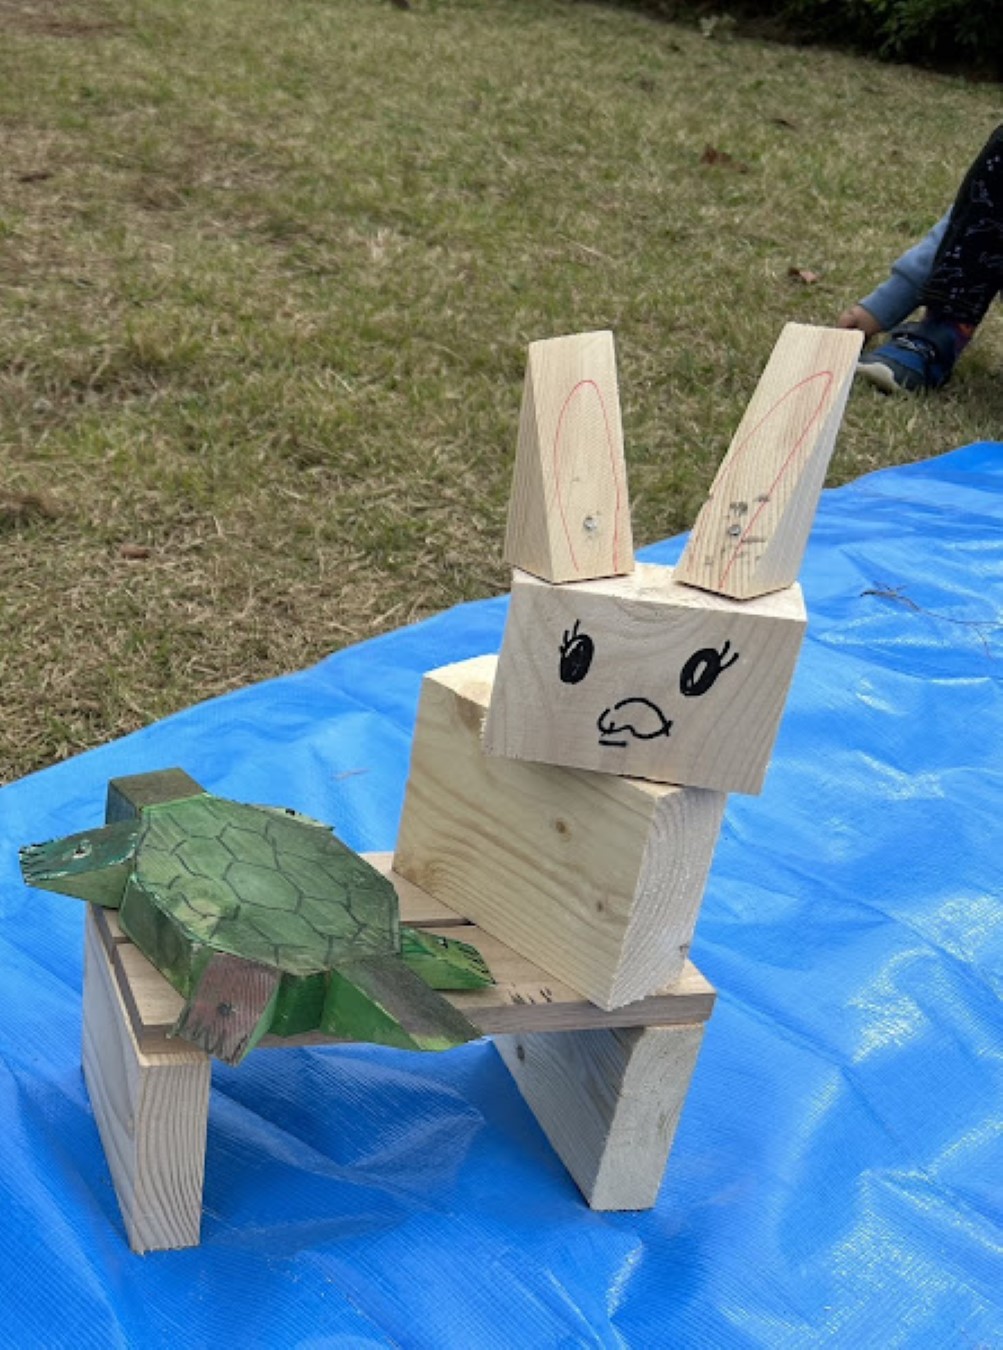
[
  {"x": 703, "y": 668},
  {"x": 577, "y": 651}
]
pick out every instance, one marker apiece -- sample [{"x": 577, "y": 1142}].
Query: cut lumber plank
[
  {"x": 750, "y": 535},
  {"x": 609, "y": 1102},
  {"x": 640, "y": 675},
  {"x": 608, "y": 1097},
  {"x": 151, "y": 1110},
  {"x": 523, "y": 998},
  {"x": 569, "y": 513},
  {"x": 417, "y": 907},
  {"x": 597, "y": 879}
]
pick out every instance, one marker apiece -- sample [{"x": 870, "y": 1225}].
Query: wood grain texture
[
  {"x": 569, "y": 512},
  {"x": 682, "y": 687},
  {"x": 607, "y": 1097},
  {"x": 609, "y": 1102},
  {"x": 150, "y": 1092},
  {"x": 231, "y": 1004},
  {"x": 151, "y": 1111},
  {"x": 597, "y": 879},
  {"x": 750, "y": 535}
]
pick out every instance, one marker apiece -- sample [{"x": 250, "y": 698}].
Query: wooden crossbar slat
[{"x": 523, "y": 999}]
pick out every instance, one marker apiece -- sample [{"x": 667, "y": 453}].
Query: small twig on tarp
[{"x": 898, "y": 593}]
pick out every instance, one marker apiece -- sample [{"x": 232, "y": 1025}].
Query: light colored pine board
[
  {"x": 595, "y": 878},
  {"x": 750, "y": 535},
  {"x": 683, "y": 687},
  {"x": 149, "y": 1000},
  {"x": 524, "y": 998},
  {"x": 569, "y": 512},
  {"x": 417, "y": 907},
  {"x": 151, "y": 1111},
  {"x": 609, "y": 1102}
]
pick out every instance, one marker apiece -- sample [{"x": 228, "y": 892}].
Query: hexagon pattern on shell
[
  {"x": 264, "y": 921},
  {"x": 259, "y": 884}
]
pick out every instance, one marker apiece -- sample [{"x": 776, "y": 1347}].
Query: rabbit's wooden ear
[
  {"x": 751, "y": 533},
  {"x": 569, "y": 513}
]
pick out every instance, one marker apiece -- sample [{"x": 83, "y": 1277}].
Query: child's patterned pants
[{"x": 967, "y": 272}]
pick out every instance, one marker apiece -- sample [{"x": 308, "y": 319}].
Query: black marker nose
[{"x": 635, "y": 717}]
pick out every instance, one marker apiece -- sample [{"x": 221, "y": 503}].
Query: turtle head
[{"x": 93, "y": 865}]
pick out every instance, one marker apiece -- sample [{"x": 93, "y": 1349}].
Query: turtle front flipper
[
  {"x": 93, "y": 865},
  {"x": 378, "y": 999},
  {"x": 444, "y": 963},
  {"x": 230, "y": 1007}
]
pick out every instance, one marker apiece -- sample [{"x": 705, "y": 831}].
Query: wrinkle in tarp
[{"x": 838, "y": 1171}]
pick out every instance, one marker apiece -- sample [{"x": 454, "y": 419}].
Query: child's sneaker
[{"x": 919, "y": 356}]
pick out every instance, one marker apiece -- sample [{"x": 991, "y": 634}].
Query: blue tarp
[{"x": 837, "y": 1177}]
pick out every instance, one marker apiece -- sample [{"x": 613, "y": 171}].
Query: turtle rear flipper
[
  {"x": 377, "y": 998},
  {"x": 93, "y": 865},
  {"x": 444, "y": 963},
  {"x": 231, "y": 1006}
]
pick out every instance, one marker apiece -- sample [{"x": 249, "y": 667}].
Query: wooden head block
[
  {"x": 750, "y": 535},
  {"x": 569, "y": 515},
  {"x": 640, "y": 675},
  {"x": 595, "y": 878}
]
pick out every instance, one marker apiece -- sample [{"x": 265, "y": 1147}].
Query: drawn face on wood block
[{"x": 639, "y": 675}]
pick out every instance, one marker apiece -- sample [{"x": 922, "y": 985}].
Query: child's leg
[
  {"x": 966, "y": 277},
  {"x": 967, "y": 272}
]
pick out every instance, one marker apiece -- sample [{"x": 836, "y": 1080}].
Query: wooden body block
[
  {"x": 640, "y": 675},
  {"x": 609, "y": 1102},
  {"x": 572, "y": 1061},
  {"x": 595, "y": 877},
  {"x": 151, "y": 1108},
  {"x": 569, "y": 513},
  {"x": 751, "y": 533}
]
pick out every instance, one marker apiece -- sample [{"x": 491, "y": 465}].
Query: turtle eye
[
  {"x": 703, "y": 668},
  {"x": 577, "y": 651}
]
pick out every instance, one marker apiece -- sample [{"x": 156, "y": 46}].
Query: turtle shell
[{"x": 263, "y": 884}]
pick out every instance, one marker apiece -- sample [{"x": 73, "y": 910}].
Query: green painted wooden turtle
[{"x": 262, "y": 919}]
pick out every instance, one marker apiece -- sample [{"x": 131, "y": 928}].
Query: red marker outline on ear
[
  {"x": 829, "y": 377},
  {"x": 587, "y": 384}
]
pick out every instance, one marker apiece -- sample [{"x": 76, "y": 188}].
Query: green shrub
[
  {"x": 924, "y": 30},
  {"x": 961, "y": 35},
  {"x": 905, "y": 29}
]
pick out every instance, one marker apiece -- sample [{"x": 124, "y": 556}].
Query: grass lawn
[{"x": 268, "y": 272}]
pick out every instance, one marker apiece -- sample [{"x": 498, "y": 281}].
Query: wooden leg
[
  {"x": 151, "y": 1111},
  {"x": 608, "y": 1101}
]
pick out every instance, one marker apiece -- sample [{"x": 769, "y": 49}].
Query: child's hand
[{"x": 858, "y": 317}]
